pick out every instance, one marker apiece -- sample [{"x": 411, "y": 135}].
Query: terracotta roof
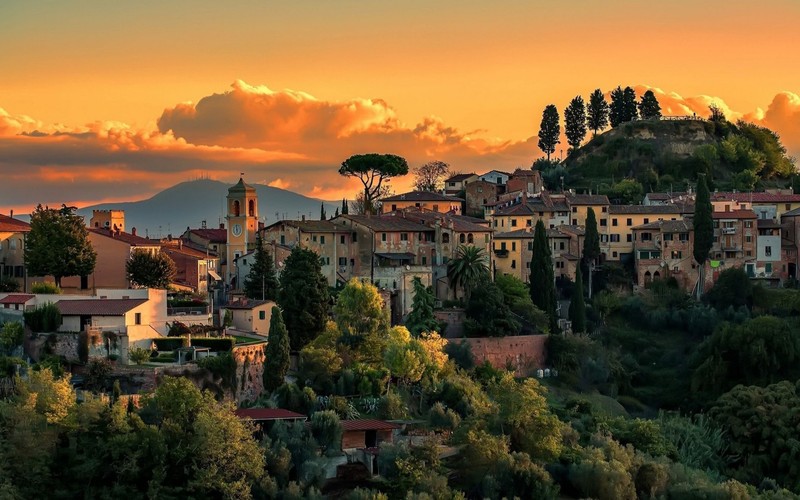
[
  {"x": 388, "y": 222},
  {"x": 757, "y": 197},
  {"x": 245, "y": 304},
  {"x": 131, "y": 239},
  {"x": 734, "y": 214},
  {"x": 516, "y": 209},
  {"x": 187, "y": 251},
  {"x": 525, "y": 173},
  {"x": 312, "y": 226},
  {"x": 643, "y": 209},
  {"x": 664, "y": 196},
  {"x": 368, "y": 425},
  {"x": 268, "y": 414},
  {"x": 212, "y": 235},
  {"x": 587, "y": 199},
  {"x": 668, "y": 226},
  {"x": 516, "y": 234},
  {"x": 459, "y": 177},
  {"x": 460, "y": 223},
  {"x": 12, "y": 225},
  {"x": 792, "y": 213},
  {"x": 97, "y": 307},
  {"x": 422, "y": 196},
  {"x": 16, "y": 298}
]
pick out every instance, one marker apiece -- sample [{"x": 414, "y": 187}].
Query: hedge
[{"x": 168, "y": 343}]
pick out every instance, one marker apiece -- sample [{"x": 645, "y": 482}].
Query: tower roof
[{"x": 241, "y": 187}]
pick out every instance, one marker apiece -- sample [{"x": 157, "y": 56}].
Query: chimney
[
  {"x": 133, "y": 231},
  {"x": 222, "y": 225}
]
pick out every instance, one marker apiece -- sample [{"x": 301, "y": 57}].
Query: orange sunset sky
[{"x": 111, "y": 101}]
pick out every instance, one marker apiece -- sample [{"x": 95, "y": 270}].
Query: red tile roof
[
  {"x": 734, "y": 214},
  {"x": 97, "y": 307},
  {"x": 245, "y": 304},
  {"x": 459, "y": 177},
  {"x": 757, "y": 197},
  {"x": 131, "y": 239},
  {"x": 212, "y": 235},
  {"x": 268, "y": 414},
  {"x": 12, "y": 225},
  {"x": 368, "y": 425},
  {"x": 16, "y": 298},
  {"x": 422, "y": 196}
]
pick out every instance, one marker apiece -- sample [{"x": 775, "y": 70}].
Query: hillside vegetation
[{"x": 666, "y": 154}]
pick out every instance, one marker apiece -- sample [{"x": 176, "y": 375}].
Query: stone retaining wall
[{"x": 525, "y": 353}]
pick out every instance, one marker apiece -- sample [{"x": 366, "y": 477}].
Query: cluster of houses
[{"x": 417, "y": 233}]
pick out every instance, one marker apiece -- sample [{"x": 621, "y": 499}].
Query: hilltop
[
  {"x": 190, "y": 203},
  {"x": 665, "y": 154}
]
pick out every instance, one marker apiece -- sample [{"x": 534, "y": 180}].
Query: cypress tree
[
  {"x": 649, "y": 107},
  {"x": 630, "y": 109},
  {"x": 345, "y": 209},
  {"x": 591, "y": 244},
  {"x": 277, "y": 352},
  {"x": 616, "y": 112},
  {"x": 303, "y": 295},
  {"x": 322, "y": 214},
  {"x": 421, "y": 318},
  {"x": 542, "y": 281},
  {"x": 575, "y": 122},
  {"x": 703, "y": 231},
  {"x": 597, "y": 112},
  {"x": 577, "y": 306},
  {"x": 549, "y": 130},
  {"x": 261, "y": 283}
]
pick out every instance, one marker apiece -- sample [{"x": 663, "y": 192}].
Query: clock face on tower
[{"x": 237, "y": 229}]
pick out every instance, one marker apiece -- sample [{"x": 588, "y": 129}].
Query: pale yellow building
[
  {"x": 12, "y": 250},
  {"x": 426, "y": 200},
  {"x": 242, "y": 224},
  {"x": 579, "y": 205},
  {"x": 616, "y": 227},
  {"x": 512, "y": 251}
]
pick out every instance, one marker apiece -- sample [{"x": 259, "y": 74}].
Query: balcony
[{"x": 501, "y": 253}]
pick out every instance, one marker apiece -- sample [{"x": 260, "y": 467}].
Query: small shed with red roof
[{"x": 366, "y": 433}]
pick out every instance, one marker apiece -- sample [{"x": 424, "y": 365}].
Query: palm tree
[{"x": 468, "y": 269}]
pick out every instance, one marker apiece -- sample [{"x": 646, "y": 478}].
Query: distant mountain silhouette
[{"x": 190, "y": 203}]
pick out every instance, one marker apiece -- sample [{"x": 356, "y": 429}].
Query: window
[
  {"x": 403, "y": 236},
  {"x": 768, "y": 268},
  {"x": 603, "y": 222},
  {"x": 629, "y": 222},
  {"x": 436, "y": 208},
  {"x": 262, "y": 315},
  {"x": 446, "y": 237},
  {"x": 355, "y": 237},
  {"x": 647, "y": 237},
  {"x": 513, "y": 246},
  {"x": 561, "y": 245},
  {"x": 748, "y": 253},
  {"x": 251, "y": 208},
  {"x": 513, "y": 264},
  {"x": 470, "y": 238},
  {"x": 462, "y": 238},
  {"x": 322, "y": 240},
  {"x": 503, "y": 245},
  {"x": 605, "y": 209},
  {"x": 513, "y": 222},
  {"x": 615, "y": 238},
  {"x": 486, "y": 238},
  {"x": 394, "y": 207},
  {"x": 788, "y": 206},
  {"x": 352, "y": 262},
  {"x": 748, "y": 223},
  {"x": 383, "y": 236},
  {"x": 574, "y": 222},
  {"x": 768, "y": 251},
  {"x": 495, "y": 223},
  {"x": 424, "y": 260},
  {"x": 629, "y": 237},
  {"x": 530, "y": 245},
  {"x": 683, "y": 237},
  {"x": 137, "y": 319},
  {"x": 614, "y": 254},
  {"x": 341, "y": 239},
  {"x": 748, "y": 238},
  {"x": 283, "y": 239},
  {"x": 574, "y": 210},
  {"x": 667, "y": 236},
  {"x": 528, "y": 223},
  {"x": 646, "y": 220},
  {"x": 614, "y": 222},
  {"x": 677, "y": 254},
  {"x": 236, "y": 209}
]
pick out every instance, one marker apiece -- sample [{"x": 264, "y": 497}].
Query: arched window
[
  {"x": 461, "y": 238},
  {"x": 445, "y": 237},
  {"x": 251, "y": 208},
  {"x": 236, "y": 209},
  {"x": 470, "y": 239}
]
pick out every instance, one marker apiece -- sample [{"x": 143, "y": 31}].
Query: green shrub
[
  {"x": 8, "y": 366},
  {"x": 43, "y": 318},
  {"x": 8, "y": 284},
  {"x": 12, "y": 335},
  {"x": 223, "y": 366},
  {"x": 45, "y": 287},
  {"x": 139, "y": 355},
  {"x": 392, "y": 406},
  {"x": 327, "y": 430}
]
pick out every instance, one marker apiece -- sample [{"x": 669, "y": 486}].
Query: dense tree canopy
[
  {"x": 421, "y": 318},
  {"x": 303, "y": 297},
  {"x": 649, "y": 107},
  {"x": 58, "y": 244},
  {"x": 146, "y": 269},
  {"x": 373, "y": 170},
  {"x": 488, "y": 315},
  {"x": 277, "y": 352},
  {"x": 468, "y": 269}
]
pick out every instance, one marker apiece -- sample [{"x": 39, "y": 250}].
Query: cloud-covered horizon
[{"x": 287, "y": 139}]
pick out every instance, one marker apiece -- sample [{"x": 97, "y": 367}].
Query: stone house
[
  {"x": 249, "y": 315},
  {"x": 13, "y": 233},
  {"x": 663, "y": 249},
  {"x": 457, "y": 183},
  {"x": 616, "y": 227},
  {"x": 478, "y": 194},
  {"x": 423, "y": 199},
  {"x": 526, "y": 180}
]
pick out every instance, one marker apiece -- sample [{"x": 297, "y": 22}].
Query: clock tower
[{"x": 242, "y": 225}]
